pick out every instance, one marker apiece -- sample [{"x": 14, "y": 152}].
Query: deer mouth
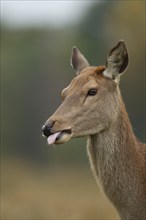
[{"x": 59, "y": 137}]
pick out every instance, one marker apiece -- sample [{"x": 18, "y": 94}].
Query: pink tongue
[{"x": 52, "y": 138}]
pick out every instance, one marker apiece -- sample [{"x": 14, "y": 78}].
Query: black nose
[{"x": 46, "y": 129}]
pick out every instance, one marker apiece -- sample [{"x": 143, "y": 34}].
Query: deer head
[{"x": 91, "y": 101}]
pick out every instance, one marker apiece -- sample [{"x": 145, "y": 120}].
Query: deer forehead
[
  {"x": 90, "y": 77},
  {"x": 80, "y": 84}
]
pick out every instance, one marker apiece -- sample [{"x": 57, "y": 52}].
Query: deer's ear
[
  {"x": 78, "y": 61},
  {"x": 117, "y": 61}
]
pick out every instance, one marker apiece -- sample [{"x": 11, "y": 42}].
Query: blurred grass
[{"x": 30, "y": 192}]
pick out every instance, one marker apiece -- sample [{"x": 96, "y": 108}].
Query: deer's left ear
[
  {"x": 78, "y": 61},
  {"x": 117, "y": 61}
]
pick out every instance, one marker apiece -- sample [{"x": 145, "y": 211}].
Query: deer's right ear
[
  {"x": 78, "y": 61},
  {"x": 117, "y": 61}
]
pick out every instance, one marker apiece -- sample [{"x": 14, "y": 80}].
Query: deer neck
[
  {"x": 116, "y": 142},
  {"x": 117, "y": 164}
]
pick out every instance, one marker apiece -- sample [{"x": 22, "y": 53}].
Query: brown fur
[
  {"x": 118, "y": 161},
  {"x": 117, "y": 157}
]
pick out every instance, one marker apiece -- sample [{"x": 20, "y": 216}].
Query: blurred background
[{"x": 55, "y": 182}]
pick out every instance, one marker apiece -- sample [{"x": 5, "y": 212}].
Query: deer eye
[{"x": 92, "y": 92}]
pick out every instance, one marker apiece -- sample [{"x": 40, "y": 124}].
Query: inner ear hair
[{"x": 117, "y": 61}]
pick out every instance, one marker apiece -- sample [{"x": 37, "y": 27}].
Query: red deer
[{"x": 92, "y": 106}]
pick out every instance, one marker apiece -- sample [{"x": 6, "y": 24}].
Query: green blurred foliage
[{"x": 35, "y": 68}]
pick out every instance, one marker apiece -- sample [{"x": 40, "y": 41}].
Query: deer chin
[{"x": 60, "y": 137}]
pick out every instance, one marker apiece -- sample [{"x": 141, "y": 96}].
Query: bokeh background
[{"x": 55, "y": 182}]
